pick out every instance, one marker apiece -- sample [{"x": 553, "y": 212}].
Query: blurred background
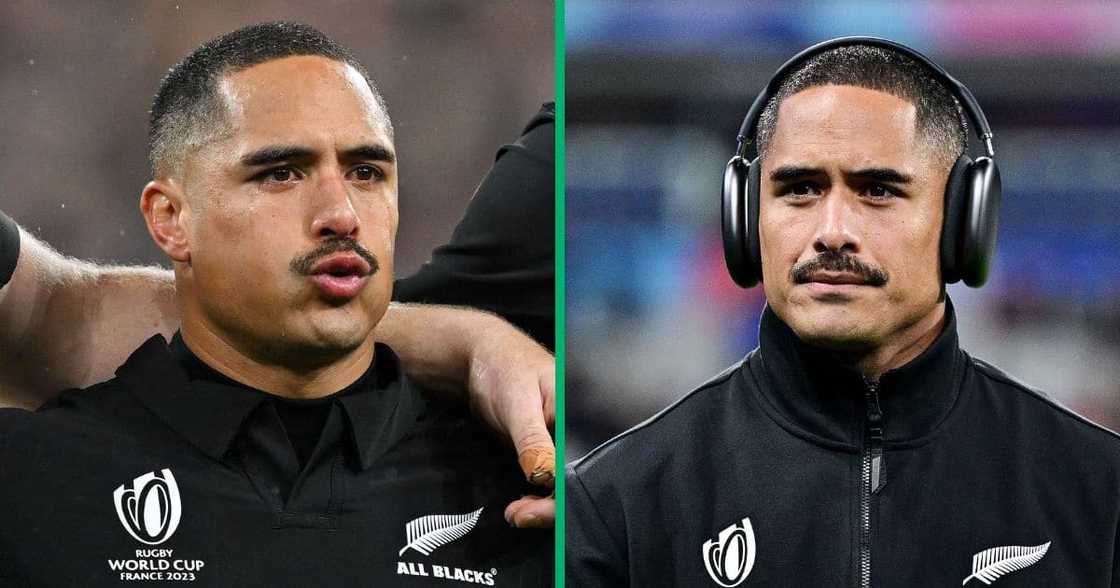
[
  {"x": 77, "y": 78},
  {"x": 655, "y": 94}
]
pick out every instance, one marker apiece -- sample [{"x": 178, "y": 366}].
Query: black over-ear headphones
[{"x": 972, "y": 194}]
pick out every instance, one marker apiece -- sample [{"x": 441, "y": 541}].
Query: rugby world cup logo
[
  {"x": 730, "y": 557},
  {"x": 149, "y": 507}
]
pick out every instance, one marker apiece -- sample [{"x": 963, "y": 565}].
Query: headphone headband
[{"x": 962, "y": 93}]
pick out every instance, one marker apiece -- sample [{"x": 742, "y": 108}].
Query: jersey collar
[
  {"x": 811, "y": 393},
  {"x": 210, "y": 415}
]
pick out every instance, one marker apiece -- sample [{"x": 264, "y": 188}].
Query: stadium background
[
  {"x": 77, "y": 78},
  {"x": 655, "y": 94}
]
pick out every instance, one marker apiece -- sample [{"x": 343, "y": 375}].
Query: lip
[
  {"x": 341, "y": 264},
  {"x": 835, "y": 286},
  {"x": 339, "y": 287},
  {"x": 837, "y": 279},
  {"x": 340, "y": 277},
  {"x": 823, "y": 291}
]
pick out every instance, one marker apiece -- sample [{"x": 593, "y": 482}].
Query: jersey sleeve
[
  {"x": 593, "y": 556},
  {"x": 501, "y": 254}
]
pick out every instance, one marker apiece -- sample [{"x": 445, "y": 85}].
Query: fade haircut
[
  {"x": 187, "y": 111},
  {"x": 940, "y": 119}
]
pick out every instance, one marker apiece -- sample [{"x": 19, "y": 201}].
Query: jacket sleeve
[{"x": 593, "y": 555}]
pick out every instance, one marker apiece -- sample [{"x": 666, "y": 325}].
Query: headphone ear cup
[
  {"x": 754, "y": 248},
  {"x": 981, "y": 221},
  {"x": 735, "y": 233},
  {"x": 954, "y": 222}
]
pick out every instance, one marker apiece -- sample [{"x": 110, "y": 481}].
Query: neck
[
  {"x": 270, "y": 375},
  {"x": 904, "y": 346}
]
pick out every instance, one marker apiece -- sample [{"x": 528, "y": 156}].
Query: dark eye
[
  {"x": 800, "y": 190},
  {"x": 277, "y": 175},
  {"x": 367, "y": 173},
  {"x": 280, "y": 175},
  {"x": 879, "y": 192}
]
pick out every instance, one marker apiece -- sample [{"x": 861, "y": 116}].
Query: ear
[{"x": 162, "y": 203}]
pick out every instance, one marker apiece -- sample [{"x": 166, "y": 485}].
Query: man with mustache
[
  {"x": 94, "y": 316},
  {"x": 272, "y": 442},
  {"x": 858, "y": 445}
]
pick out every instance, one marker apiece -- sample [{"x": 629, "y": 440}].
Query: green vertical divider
[{"x": 560, "y": 292}]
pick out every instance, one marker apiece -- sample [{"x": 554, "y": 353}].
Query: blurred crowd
[
  {"x": 656, "y": 92},
  {"x": 461, "y": 78}
]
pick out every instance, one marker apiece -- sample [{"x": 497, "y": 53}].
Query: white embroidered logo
[
  {"x": 730, "y": 557},
  {"x": 428, "y": 533},
  {"x": 991, "y": 564},
  {"x": 149, "y": 507}
]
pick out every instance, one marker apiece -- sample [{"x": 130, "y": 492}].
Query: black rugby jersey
[{"x": 153, "y": 477}]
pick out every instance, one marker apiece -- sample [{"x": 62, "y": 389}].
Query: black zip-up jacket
[{"x": 789, "y": 469}]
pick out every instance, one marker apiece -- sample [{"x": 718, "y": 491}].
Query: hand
[{"x": 513, "y": 388}]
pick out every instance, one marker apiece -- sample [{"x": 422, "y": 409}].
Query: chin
[
  {"x": 314, "y": 349},
  {"x": 837, "y": 338},
  {"x": 341, "y": 332},
  {"x": 320, "y": 337},
  {"x": 833, "y": 327},
  {"x": 352, "y": 321}
]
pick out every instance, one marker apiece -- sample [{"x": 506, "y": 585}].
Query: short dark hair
[
  {"x": 187, "y": 110},
  {"x": 939, "y": 115}
]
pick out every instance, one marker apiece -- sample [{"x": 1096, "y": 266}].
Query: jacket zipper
[{"x": 871, "y": 478}]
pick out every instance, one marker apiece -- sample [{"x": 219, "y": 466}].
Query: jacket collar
[
  {"x": 820, "y": 398},
  {"x": 210, "y": 415}
]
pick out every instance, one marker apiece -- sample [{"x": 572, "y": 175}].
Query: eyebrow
[
  {"x": 271, "y": 154},
  {"x": 790, "y": 173},
  {"x": 275, "y": 154},
  {"x": 882, "y": 174},
  {"x": 371, "y": 153}
]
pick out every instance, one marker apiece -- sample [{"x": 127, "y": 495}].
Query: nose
[
  {"x": 835, "y": 231},
  {"x": 334, "y": 215}
]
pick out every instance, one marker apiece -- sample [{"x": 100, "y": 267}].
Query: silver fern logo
[
  {"x": 991, "y": 564},
  {"x": 428, "y": 533},
  {"x": 149, "y": 507},
  {"x": 730, "y": 556}
]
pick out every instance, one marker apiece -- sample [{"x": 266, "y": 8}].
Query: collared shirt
[
  {"x": 303, "y": 420},
  {"x": 153, "y": 476}
]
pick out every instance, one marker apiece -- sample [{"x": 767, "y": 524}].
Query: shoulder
[
  {"x": 680, "y": 428},
  {"x": 1036, "y": 411},
  {"x": 93, "y": 402},
  {"x": 538, "y": 140},
  {"x": 68, "y": 417},
  {"x": 546, "y": 115}
]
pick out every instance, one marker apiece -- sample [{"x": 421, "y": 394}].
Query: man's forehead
[
  {"x": 302, "y": 92},
  {"x": 833, "y": 105},
  {"x": 845, "y": 122}
]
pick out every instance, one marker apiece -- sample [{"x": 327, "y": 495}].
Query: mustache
[
  {"x": 835, "y": 261},
  {"x": 302, "y": 265}
]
